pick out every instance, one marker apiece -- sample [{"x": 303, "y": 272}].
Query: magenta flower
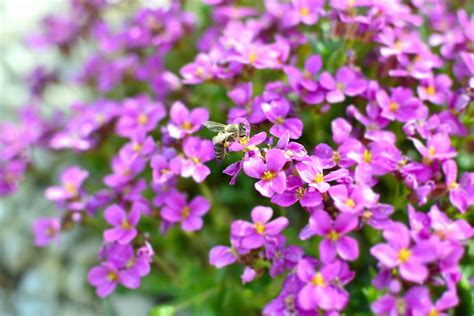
[
  {"x": 303, "y": 11},
  {"x": 456, "y": 231},
  {"x": 273, "y": 178},
  {"x": 318, "y": 291},
  {"x": 311, "y": 172},
  {"x": 106, "y": 277},
  {"x": 72, "y": 179},
  {"x": 161, "y": 169},
  {"x": 276, "y": 112},
  {"x": 410, "y": 260},
  {"x": 254, "y": 235},
  {"x": 46, "y": 229},
  {"x": 139, "y": 115},
  {"x": 124, "y": 229},
  {"x": 177, "y": 210},
  {"x": 419, "y": 300},
  {"x": 438, "y": 147},
  {"x": 125, "y": 167},
  {"x": 350, "y": 200},
  {"x": 346, "y": 82},
  {"x": 334, "y": 232},
  {"x": 183, "y": 122},
  {"x": 221, "y": 256},
  {"x": 436, "y": 90},
  {"x": 197, "y": 152},
  {"x": 401, "y": 105},
  {"x": 457, "y": 194},
  {"x": 198, "y": 71},
  {"x": 304, "y": 83},
  {"x": 245, "y": 144},
  {"x": 296, "y": 191}
]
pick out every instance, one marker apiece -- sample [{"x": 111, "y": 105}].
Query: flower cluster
[{"x": 357, "y": 116}]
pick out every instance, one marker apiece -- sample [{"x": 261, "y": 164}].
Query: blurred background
[{"x": 42, "y": 281}]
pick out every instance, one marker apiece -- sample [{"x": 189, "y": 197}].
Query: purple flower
[
  {"x": 46, "y": 230},
  {"x": 304, "y": 83},
  {"x": 318, "y": 291},
  {"x": 335, "y": 241},
  {"x": 72, "y": 179},
  {"x": 457, "y": 195},
  {"x": 106, "y": 277},
  {"x": 401, "y": 105},
  {"x": 276, "y": 112},
  {"x": 255, "y": 235},
  {"x": 303, "y": 11},
  {"x": 183, "y": 122},
  {"x": 273, "y": 179},
  {"x": 445, "y": 229},
  {"x": 397, "y": 252},
  {"x": 161, "y": 169},
  {"x": 248, "y": 275},
  {"x": 419, "y": 300},
  {"x": 124, "y": 229},
  {"x": 177, "y": 210},
  {"x": 245, "y": 143},
  {"x": 296, "y": 191},
  {"x": 221, "y": 256},
  {"x": 438, "y": 147},
  {"x": 436, "y": 90},
  {"x": 311, "y": 172},
  {"x": 346, "y": 82},
  {"x": 125, "y": 167},
  {"x": 139, "y": 115},
  {"x": 350, "y": 200},
  {"x": 197, "y": 152},
  {"x": 284, "y": 258}
]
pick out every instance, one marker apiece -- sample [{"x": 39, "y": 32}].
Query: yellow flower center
[
  {"x": 393, "y": 106},
  {"x": 186, "y": 125},
  {"x": 431, "y": 90},
  {"x": 433, "y": 312},
  {"x": 340, "y": 86},
  {"x": 71, "y": 188},
  {"x": 398, "y": 45},
  {"x": 112, "y": 276},
  {"x": 367, "y": 215},
  {"x": 125, "y": 224},
  {"x": 195, "y": 160},
  {"x": 319, "y": 178},
  {"x": 333, "y": 235},
  {"x": 259, "y": 228},
  {"x": 142, "y": 119},
  {"x": 50, "y": 231},
  {"x": 136, "y": 147},
  {"x": 304, "y": 11},
  {"x": 252, "y": 57},
  {"x": 280, "y": 120},
  {"x": 431, "y": 150},
  {"x": 100, "y": 118},
  {"x": 367, "y": 156},
  {"x": 185, "y": 212},
  {"x": 317, "y": 280},
  {"x": 453, "y": 185},
  {"x": 300, "y": 192},
  {"x": 404, "y": 255},
  {"x": 350, "y": 203},
  {"x": 268, "y": 175},
  {"x": 336, "y": 156},
  {"x": 244, "y": 140},
  {"x": 199, "y": 72}
]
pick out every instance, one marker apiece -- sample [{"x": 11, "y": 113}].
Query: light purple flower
[
  {"x": 457, "y": 195},
  {"x": 139, "y": 115},
  {"x": 438, "y": 147},
  {"x": 311, "y": 172},
  {"x": 161, "y": 169},
  {"x": 318, "y": 291},
  {"x": 221, "y": 256},
  {"x": 106, "y": 276},
  {"x": 177, "y": 210},
  {"x": 296, "y": 191},
  {"x": 436, "y": 90},
  {"x": 419, "y": 300},
  {"x": 125, "y": 167},
  {"x": 411, "y": 260},
  {"x": 401, "y": 105},
  {"x": 351, "y": 200},
  {"x": 346, "y": 82},
  {"x": 276, "y": 112},
  {"x": 124, "y": 229},
  {"x": 184, "y": 122},
  {"x": 273, "y": 179},
  {"x": 456, "y": 231},
  {"x": 72, "y": 179},
  {"x": 254, "y": 235},
  {"x": 303, "y": 11},
  {"x": 334, "y": 232},
  {"x": 197, "y": 152},
  {"x": 46, "y": 229}
]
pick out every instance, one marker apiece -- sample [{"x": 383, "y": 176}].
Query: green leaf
[{"x": 164, "y": 310}]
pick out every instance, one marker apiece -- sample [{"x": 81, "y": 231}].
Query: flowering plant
[{"x": 356, "y": 187}]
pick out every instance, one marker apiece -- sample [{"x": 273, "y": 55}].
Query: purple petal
[
  {"x": 347, "y": 248},
  {"x": 313, "y": 64},
  {"x": 276, "y": 226},
  {"x": 129, "y": 278},
  {"x": 413, "y": 271},
  {"x": 113, "y": 234},
  {"x": 199, "y": 206},
  {"x": 114, "y": 215},
  {"x": 385, "y": 254},
  {"x": 345, "y": 223},
  {"x": 275, "y": 159},
  {"x": 221, "y": 256},
  {"x": 254, "y": 167},
  {"x": 105, "y": 289},
  {"x": 327, "y": 81},
  {"x": 261, "y": 214},
  {"x": 253, "y": 241},
  {"x": 398, "y": 235},
  {"x": 335, "y": 96},
  {"x": 192, "y": 223},
  {"x": 327, "y": 250},
  {"x": 320, "y": 223}
]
